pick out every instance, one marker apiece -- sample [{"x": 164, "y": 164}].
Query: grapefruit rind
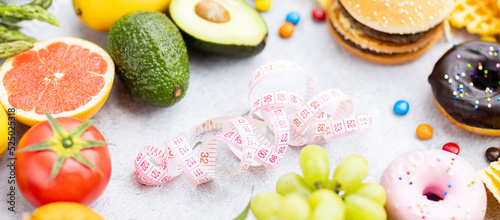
[{"x": 84, "y": 112}]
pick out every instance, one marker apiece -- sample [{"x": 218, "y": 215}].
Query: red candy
[
  {"x": 452, "y": 147},
  {"x": 318, "y": 14}
]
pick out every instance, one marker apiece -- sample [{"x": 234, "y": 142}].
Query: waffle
[
  {"x": 478, "y": 17},
  {"x": 491, "y": 178}
]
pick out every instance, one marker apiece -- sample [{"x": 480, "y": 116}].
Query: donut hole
[
  {"x": 489, "y": 80},
  {"x": 434, "y": 194}
]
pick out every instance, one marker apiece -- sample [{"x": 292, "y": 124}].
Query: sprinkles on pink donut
[{"x": 433, "y": 184}]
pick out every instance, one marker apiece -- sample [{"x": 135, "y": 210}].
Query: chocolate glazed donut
[{"x": 465, "y": 84}]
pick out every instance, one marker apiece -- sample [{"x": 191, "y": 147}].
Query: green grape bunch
[
  {"x": 316, "y": 197},
  {"x": 11, "y": 40}
]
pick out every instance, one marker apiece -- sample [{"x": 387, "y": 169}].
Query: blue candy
[
  {"x": 401, "y": 107},
  {"x": 293, "y": 17}
]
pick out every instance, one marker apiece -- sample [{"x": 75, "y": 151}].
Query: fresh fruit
[
  {"x": 318, "y": 14},
  {"x": 62, "y": 159},
  {"x": 373, "y": 191},
  {"x": 286, "y": 30},
  {"x": 13, "y": 41},
  {"x": 292, "y": 183},
  {"x": 228, "y": 28},
  {"x": 315, "y": 166},
  {"x": 101, "y": 14},
  {"x": 322, "y": 196},
  {"x": 63, "y": 211},
  {"x": 5, "y": 124},
  {"x": 328, "y": 211},
  {"x": 68, "y": 77},
  {"x": 263, "y": 5},
  {"x": 424, "y": 131},
  {"x": 151, "y": 57},
  {"x": 266, "y": 205},
  {"x": 361, "y": 208},
  {"x": 350, "y": 172},
  {"x": 358, "y": 201},
  {"x": 294, "y": 207}
]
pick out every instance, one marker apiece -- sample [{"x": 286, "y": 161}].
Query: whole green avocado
[{"x": 150, "y": 57}]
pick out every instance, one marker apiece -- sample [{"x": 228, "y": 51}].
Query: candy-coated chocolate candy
[
  {"x": 263, "y": 5},
  {"x": 293, "y": 17},
  {"x": 492, "y": 154},
  {"x": 401, "y": 107},
  {"x": 451, "y": 147},
  {"x": 318, "y": 14},
  {"x": 286, "y": 29},
  {"x": 424, "y": 131}
]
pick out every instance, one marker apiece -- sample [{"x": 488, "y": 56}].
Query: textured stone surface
[{"x": 219, "y": 86}]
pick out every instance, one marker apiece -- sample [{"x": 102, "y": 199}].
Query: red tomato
[{"x": 75, "y": 182}]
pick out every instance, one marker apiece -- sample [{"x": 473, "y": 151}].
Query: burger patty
[{"x": 386, "y": 37}]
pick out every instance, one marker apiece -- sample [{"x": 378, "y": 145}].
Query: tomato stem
[
  {"x": 67, "y": 143},
  {"x": 69, "y": 140}
]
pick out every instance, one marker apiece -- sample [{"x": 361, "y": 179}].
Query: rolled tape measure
[{"x": 293, "y": 120}]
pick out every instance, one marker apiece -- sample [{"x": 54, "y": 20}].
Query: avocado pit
[{"x": 212, "y": 11}]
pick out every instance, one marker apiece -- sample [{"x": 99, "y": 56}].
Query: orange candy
[
  {"x": 424, "y": 131},
  {"x": 286, "y": 29}
]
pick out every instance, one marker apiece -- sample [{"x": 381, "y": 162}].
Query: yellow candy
[{"x": 263, "y": 5}]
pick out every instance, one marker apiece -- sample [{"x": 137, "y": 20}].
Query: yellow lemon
[
  {"x": 4, "y": 131},
  {"x": 101, "y": 14},
  {"x": 63, "y": 211}
]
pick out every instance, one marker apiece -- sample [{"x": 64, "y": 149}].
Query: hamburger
[{"x": 387, "y": 31}]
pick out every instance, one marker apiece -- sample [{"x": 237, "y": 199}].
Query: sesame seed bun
[
  {"x": 343, "y": 27},
  {"x": 399, "y": 16},
  {"x": 382, "y": 58},
  {"x": 373, "y": 45}
]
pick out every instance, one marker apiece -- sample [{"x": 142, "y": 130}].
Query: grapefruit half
[{"x": 68, "y": 77}]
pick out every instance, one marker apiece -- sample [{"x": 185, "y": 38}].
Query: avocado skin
[
  {"x": 150, "y": 57},
  {"x": 224, "y": 49}
]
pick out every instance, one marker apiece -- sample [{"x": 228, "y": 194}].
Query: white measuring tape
[{"x": 328, "y": 115}]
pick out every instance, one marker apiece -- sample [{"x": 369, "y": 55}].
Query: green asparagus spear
[
  {"x": 10, "y": 48},
  {"x": 15, "y": 13},
  {"x": 42, "y": 3},
  {"x": 11, "y": 26},
  {"x": 7, "y": 35}
]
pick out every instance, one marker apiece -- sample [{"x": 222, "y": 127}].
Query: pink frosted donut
[{"x": 433, "y": 184}]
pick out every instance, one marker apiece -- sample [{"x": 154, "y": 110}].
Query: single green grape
[
  {"x": 292, "y": 183},
  {"x": 373, "y": 191},
  {"x": 324, "y": 196},
  {"x": 328, "y": 211},
  {"x": 361, "y": 208},
  {"x": 266, "y": 205},
  {"x": 315, "y": 166},
  {"x": 349, "y": 173},
  {"x": 294, "y": 207}
]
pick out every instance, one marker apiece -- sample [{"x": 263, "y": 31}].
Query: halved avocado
[{"x": 223, "y": 27}]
